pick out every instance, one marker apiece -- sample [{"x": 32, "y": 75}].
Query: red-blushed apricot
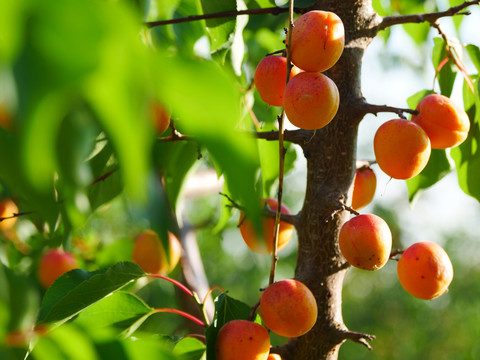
[
  {"x": 364, "y": 187},
  {"x": 271, "y": 77},
  {"x": 318, "y": 39},
  {"x": 150, "y": 255},
  {"x": 402, "y": 148},
  {"x": 5, "y": 118},
  {"x": 288, "y": 308},
  {"x": 265, "y": 245},
  {"x": 311, "y": 100},
  {"x": 445, "y": 123},
  {"x": 274, "y": 357},
  {"x": 161, "y": 118},
  {"x": 366, "y": 241},
  {"x": 7, "y": 209},
  {"x": 54, "y": 264},
  {"x": 425, "y": 270},
  {"x": 242, "y": 340}
]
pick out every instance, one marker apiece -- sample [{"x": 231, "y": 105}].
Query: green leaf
[
  {"x": 220, "y": 30},
  {"x": 474, "y": 53},
  {"x": 78, "y": 289},
  {"x": 413, "y": 100},
  {"x": 438, "y": 166},
  {"x": 11, "y": 28},
  {"x": 189, "y": 349},
  {"x": 446, "y": 76},
  {"x": 226, "y": 309},
  {"x": 207, "y": 103},
  {"x": 121, "y": 309},
  {"x": 467, "y": 154},
  {"x": 101, "y": 192},
  {"x": 22, "y": 300},
  {"x": 175, "y": 160}
]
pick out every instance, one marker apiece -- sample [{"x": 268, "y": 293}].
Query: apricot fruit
[
  {"x": 366, "y": 241},
  {"x": 311, "y": 100},
  {"x": 318, "y": 39},
  {"x": 425, "y": 270},
  {"x": 271, "y": 77},
  {"x": 402, "y": 148},
  {"x": 5, "y": 118},
  {"x": 161, "y": 118},
  {"x": 150, "y": 255},
  {"x": 53, "y": 264},
  {"x": 445, "y": 123},
  {"x": 265, "y": 245},
  {"x": 241, "y": 340},
  {"x": 7, "y": 209},
  {"x": 288, "y": 308},
  {"x": 364, "y": 187},
  {"x": 274, "y": 357}
]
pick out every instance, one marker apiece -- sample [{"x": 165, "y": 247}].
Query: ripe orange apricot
[
  {"x": 150, "y": 255},
  {"x": 311, "y": 100},
  {"x": 7, "y": 209},
  {"x": 425, "y": 270},
  {"x": 402, "y": 148},
  {"x": 241, "y": 340},
  {"x": 318, "y": 39},
  {"x": 161, "y": 118},
  {"x": 274, "y": 357},
  {"x": 5, "y": 118},
  {"x": 366, "y": 241},
  {"x": 270, "y": 78},
  {"x": 53, "y": 264},
  {"x": 265, "y": 246},
  {"x": 288, "y": 308},
  {"x": 364, "y": 187},
  {"x": 445, "y": 123}
]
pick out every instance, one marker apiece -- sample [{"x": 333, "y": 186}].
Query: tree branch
[
  {"x": 271, "y": 10},
  {"x": 299, "y": 136},
  {"x": 367, "y": 108},
  {"x": 358, "y": 338},
  {"x": 430, "y": 17}
]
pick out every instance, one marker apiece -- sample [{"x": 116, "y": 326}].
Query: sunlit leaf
[
  {"x": 474, "y": 53},
  {"x": 437, "y": 167},
  {"x": 211, "y": 116},
  {"x": 467, "y": 154},
  {"x": 442, "y": 64},
  {"x": 220, "y": 30},
  {"x": 78, "y": 289},
  {"x": 189, "y": 349},
  {"x": 121, "y": 309}
]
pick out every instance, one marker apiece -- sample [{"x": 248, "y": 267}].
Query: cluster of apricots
[
  {"x": 310, "y": 98},
  {"x": 402, "y": 147},
  {"x": 287, "y": 307},
  {"x": 424, "y": 269}
]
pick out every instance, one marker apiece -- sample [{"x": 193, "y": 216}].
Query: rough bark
[{"x": 331, "y": 164}]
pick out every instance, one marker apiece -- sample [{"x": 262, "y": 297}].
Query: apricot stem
[
  {"x": 174, "y": 282},
  {"x": 182, "y": 313}
]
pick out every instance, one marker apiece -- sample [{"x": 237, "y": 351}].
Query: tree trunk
[{"x": 330, "y": 170}]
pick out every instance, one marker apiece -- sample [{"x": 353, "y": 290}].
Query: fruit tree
[{"x": 141, "y": 140}]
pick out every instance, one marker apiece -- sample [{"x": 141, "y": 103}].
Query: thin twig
[
  {"x": 375, "y": 109},
  {"x": 281, "y": 147},
  {"x": 271, "y": 10},
  {"x": 358, "y": 338},
  {"x": 15, "y": 215},
  {"x": 430, "y": 17},
  {"x": 452, "y": 54},
  {"x": 104, "y": 176},
  {"x": 394, "y": 253},
  {"x": 299, "y": 136}
]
